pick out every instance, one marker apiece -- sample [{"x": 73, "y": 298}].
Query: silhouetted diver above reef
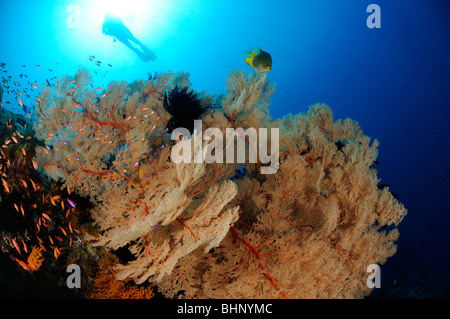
[{"x": 114, "y": 27}]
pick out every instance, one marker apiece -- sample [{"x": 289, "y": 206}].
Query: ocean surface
[{"x": 393, "y": 79}]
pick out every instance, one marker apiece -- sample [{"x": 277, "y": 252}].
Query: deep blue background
[{"x": 395, "y": 81}]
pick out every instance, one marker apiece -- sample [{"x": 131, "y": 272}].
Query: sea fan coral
[{"x": 194, "y": 229}]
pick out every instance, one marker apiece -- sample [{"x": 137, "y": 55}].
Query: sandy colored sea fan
[{"x": 197, "y": 230}]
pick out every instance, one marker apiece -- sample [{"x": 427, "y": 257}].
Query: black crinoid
[{"x": 184, "y": 106}]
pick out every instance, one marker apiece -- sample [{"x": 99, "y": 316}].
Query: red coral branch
[
  {"x": 98, "y": 122},
  {"x": 255, "y": 253},
  {"x": 111, "y": 174},
  {"x": 141, "y": 203},
  {"x": 60, "y": 166},
  {"x": 155, "y": 91},
  {"x": 246, "y": 243},
  {"x": 323, "y": 129},
  {"x": 181, "y": 221}
]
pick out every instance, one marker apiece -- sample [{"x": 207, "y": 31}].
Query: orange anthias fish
[
  {"x": 16, "y": 246},
  {"x": 56, "y": 252},
  {"x": 34, "y": 185},
  {"x": 5, "y": 185},
  {"x": 22, "y": 264},
  {"x": 25, "y": 247}
]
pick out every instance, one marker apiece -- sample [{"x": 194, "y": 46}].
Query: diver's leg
[
  {"x": 126, "y": 42},
  {"x": 144, "y": 54},
  {"x": 130, "y": 36},
  {"x": 135, "y": 40}
]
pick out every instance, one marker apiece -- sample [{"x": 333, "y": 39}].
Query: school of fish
[{"x": 50, "y": 237}]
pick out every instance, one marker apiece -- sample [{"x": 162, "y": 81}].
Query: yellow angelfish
[{"x": 261, "y": 62}]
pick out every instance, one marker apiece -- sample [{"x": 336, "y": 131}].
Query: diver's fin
[{"x": 149, "y": 53}]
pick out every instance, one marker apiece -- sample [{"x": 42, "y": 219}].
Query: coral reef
[{"x": 199, "y": 230}]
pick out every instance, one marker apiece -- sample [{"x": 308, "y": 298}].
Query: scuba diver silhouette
[{"x": 114, "y": 27}]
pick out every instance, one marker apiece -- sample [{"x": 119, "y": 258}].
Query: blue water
[{"x": 395, "y": 81}]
